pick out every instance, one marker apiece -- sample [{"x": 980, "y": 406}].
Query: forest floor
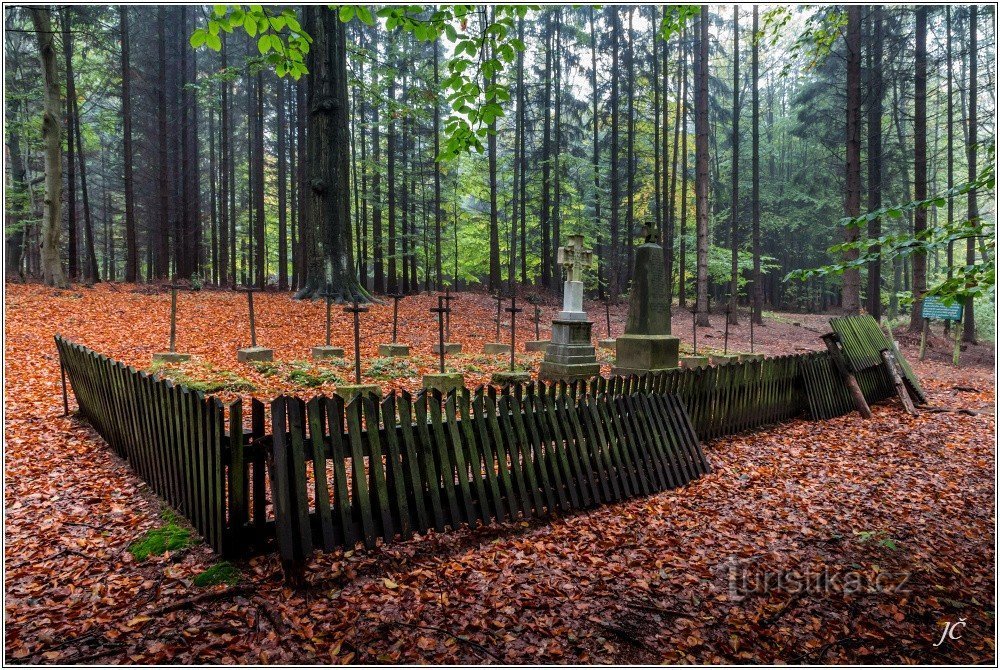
[{"x": 844, "y": 541}]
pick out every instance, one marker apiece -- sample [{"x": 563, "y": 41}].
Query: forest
[{"x": 478, "y": 138}]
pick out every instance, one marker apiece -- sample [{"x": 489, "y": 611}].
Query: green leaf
[
  {"x": 365, "y": 15},
  {"x": 264, "y": 44},
  {"x": 251, "y": 27},
  {"x": 220, "y": 10},
  {"x": 198, "y": 38},
  {"x": 346, "y": 13},
  {"x": 214, "y": 43}
]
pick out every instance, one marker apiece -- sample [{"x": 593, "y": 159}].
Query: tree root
[{"x": 343, "y": 292}]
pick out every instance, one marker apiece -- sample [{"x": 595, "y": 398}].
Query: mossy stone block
[
  {"x": 510, "y": 377},
  {"x": 321, "y": 353},
  {"x": 608, "y": 343},
  {"x": 255, "y": 354},
  {"x": 444, "y": 382},
  {"x": 170, "y": 357},
  {"x": 751, "y": 357},
  {"x": 496, "y": 348},
  {"x": 536, "y": 345},
  {"x": 694, "y": 361},
  {"x": 449, "y": 348},
  {"x": 722, "y": 359},
  {"x": 393, "y": 350}
]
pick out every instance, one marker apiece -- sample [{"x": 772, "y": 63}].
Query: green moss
[
  {"x": 220, "y": 573},
  {"x": 390, "y": 367},
  {"x": 156, "y": 542},
  {"x": 266, "y": 368},
  {"x": 201, "y": 376},
  {"x": 302, "y": 373}
]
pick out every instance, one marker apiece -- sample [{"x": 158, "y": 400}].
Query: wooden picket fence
[
  {"x": 331, "y": 473},
  {"x": 863, "y": 342}
]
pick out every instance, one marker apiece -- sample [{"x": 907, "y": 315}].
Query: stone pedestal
[
  {"x": 496, "y": 348},
  {"x": 570, "y": 355},
  {"x": 393, "y": 350},
  {"x": 349, "y": 391},
  {"x": 647, "y": 345},
  {"x": 508, "y": 377},
  {"x": 444, "y": 382},
  {"x": 750, "y": 357},
  {"x": 722, "y": 359},
  {"x": 321, "y": 353},
  {"x": 255, "y": 354},
  {"x": 449, "y": 348},
  {"x": 170, "y": 357},
  {"x": 536, "y": 345},
  {"x": 639, "y": 354},
  {"x": 606, "y": 344},
  {"x": 691, "y": 362}
]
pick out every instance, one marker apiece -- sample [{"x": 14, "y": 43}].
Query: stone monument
[
  {"x": 647, "y": 345},
  {"x": 570, "y": 354}
]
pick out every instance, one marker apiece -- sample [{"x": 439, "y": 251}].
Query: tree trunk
[
  {"x": 614, "y": 252},
  {"x": 852, "y": 196},
  {"x": 257, "y": 120},
  {"x": 491, "y": 150},
  {"x": 596, "y": 130},
  {"x": 438, "y": 268},
  {"x": 735, "y": 202},
  {"x": 543, "y": 216},
  {"x": 969, "y": 328},
  {"x": 682, "y": 261},
  {"x": 131, "y": 246},
  {"x": 282, "y": 191},
  {"x": 919, "y": 166},
  {"x": 71, "y": 223},
  {"x": 225, "y": 150},
  {"x": 161, "y": 258},
  {"x": 875, "y": 178},
  {"x": 52, "y": 272},
  {"x": 333, "y": 271},
  {"x": 701, "y": 165},
  {"x": 757, "y": 291}
]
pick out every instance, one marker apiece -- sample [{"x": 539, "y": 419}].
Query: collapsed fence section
[{"x": 173, "y": 437}]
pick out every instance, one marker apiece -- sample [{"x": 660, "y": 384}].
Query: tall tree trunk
[
  {"x": 596, "y": 132},
  {"x": 852, "y": 197},
  {"x": 659, "y": 140},
  {"x": 438, "y": 268},
  {"x": 969, "y": 327},
  {"x": 260, "y": 256},
  {"x": 544, "y": 219},
  {"x": 378, "y": 266},
  {"x": 670, "y": 211},
  {"x": 701, "y": 164},
  {"x": 950, "y": 259},
  {"x": 213, "y": 200},
  {"x": 682, "y": 261},
  {"x": 72, "y": 227},
  {"x": 131, "y": 245},
  {"x": 224, "y": 185},
  {"x": 630, "y": 147},
  {"x": 614, "y": 269},
  {"x": 757, "y": 291},
  {"x": 491, "y": 150},
  {"x": 333, "y": 271},
  {"x": 919, "y": 165},
  {"x": 161, "y": 258},
  {"x": 390, "y": 148},
  {"x": 875, "y": 178},
  {"x": 735, "y": 202},
  {"x": 282, "y": 192},
  {"x": 558, "y": 142}
]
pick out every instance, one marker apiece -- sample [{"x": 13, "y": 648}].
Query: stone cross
[{"x": 574, "y": 258}]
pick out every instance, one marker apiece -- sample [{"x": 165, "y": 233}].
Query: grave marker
[
  {"x": 512, "y": 376},
  {"x": 538, "y": 344},
  {"x": 608, "y": 342},
  {"x": 327, "y": 351},
  {"x": 172, "y": 356},
  {"x": 348, "y": 391},
  {"x": 647, "y": 345},
  {"x": 496, "y": 346},
  {"x": 253, "y": 352},
  {"x": 442, "y": 381},
  {"x": 571, "y": 355},
  {"x": 394, "y": 349}
]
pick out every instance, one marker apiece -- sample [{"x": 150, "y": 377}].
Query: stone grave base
[
  {"x": 722, "y": 359},
  {"x": 349, "y": 391},
  {"x": 170, "y": 357},
  {"x": 444, "y": 382},
  {"x": 536, "y": 345},
  {"x": 449, "y": 348},
  {"x": 392, "y": 350},
  {"x": 496, "y": 348},
  {"x": 608, "y": 343},
  {"x": 569, "y": 355},
  {"x": 255, "y": 354},
  {"x": 694, "y": 362},
  {"x": 639, "y": 354},
  {"x": 751, "y": 357},
  {"x": 508, "y": 377},
  {"x": 320, "y": 353}
]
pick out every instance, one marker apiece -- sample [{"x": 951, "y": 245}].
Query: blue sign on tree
[{"x": 934, "y": 308}]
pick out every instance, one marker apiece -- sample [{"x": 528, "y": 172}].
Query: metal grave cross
[
  {"x": 448, "y": 297},
  {"x": 356, "y": 309},
  {"x": 249, "y": 290},
  {"x": 173, "y": 313},
  {"x": 499, "y": 299},
  {"x": 442, "y": 311},
  {"x": 396, "y": 297},
  {"x": 574, "y": 258},
  {"x": 513, "y": 310}
]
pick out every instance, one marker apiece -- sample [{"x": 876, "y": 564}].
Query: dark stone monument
[
  {"x": 570, "y": 354},
  {"x": 647, "y": 345}
]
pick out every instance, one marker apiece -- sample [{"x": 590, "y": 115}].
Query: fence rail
[{"x": 330, "y": 473}]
